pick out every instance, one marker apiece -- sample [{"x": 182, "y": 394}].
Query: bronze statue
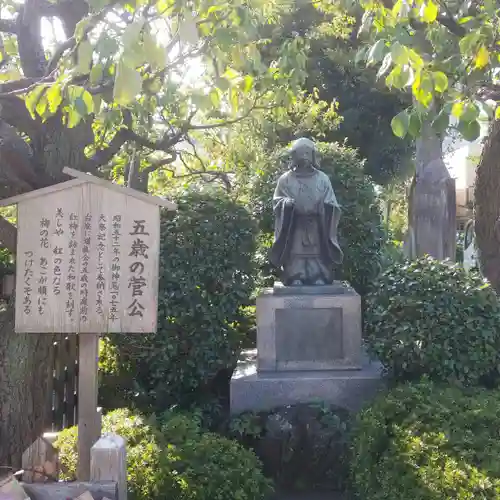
[{"x": 306, "y": 220}]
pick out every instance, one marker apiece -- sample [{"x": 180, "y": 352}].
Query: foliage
[
  {"x": 444, "y": 52},
  {"x": 428, "y": 442},
  {"x": 6, "y": 262},
  {"x": 205, "y": 466},
  {"x": 122, "y": 60},
  {"x": 366, "y": 108},
  {"x": 301, "y": 446},
  {"x": 178, "y": 462},
  {"x": 360, "y": 229},
  {"x": 142, "y": 451},
  {"x": 435, "y": 319},
  {"x": 394, "y": 198},
  {"x": 206, "y": 280},
  {"x": 134, "y": 82}
]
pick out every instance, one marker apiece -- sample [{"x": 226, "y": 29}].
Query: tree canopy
[
  {"x": 145, "y": 74},
  {"x": 445, "y": 52}
]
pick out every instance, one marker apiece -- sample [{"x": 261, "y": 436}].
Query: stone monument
[{"x": 309, "y": 325}]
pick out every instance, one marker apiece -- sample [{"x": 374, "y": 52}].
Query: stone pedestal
[{"x": 308, "y": 350}]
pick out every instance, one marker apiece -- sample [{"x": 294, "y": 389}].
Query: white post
[
  {"x": 89, "y": 421},
  {"x": 109, "y": 463}
]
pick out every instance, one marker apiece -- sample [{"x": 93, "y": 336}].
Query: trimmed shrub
[
  {"x": 361, "y": 232},
  {"x": 206, "y": 280},
  {"x": 178, "y": 462},
  {"x": 206, "y": 466},
  {"x": 428, "y": 442},
  {"x": 432, "y": 318},
  {"x": 302, "y": 446}
]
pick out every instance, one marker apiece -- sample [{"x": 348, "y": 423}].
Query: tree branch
[
  {"x": 13, "y": 110},
  {"x": 29, "y": 39}
]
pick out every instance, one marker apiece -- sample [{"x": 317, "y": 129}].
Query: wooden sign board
[{"x": 87, "y": 258}]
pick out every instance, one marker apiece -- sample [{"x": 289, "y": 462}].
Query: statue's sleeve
[
  {"x": 283, "y": 215},
  {"x": 330, "y": 222}
]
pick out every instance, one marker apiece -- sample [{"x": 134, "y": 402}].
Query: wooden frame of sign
[{"x": 87, "y": 263}]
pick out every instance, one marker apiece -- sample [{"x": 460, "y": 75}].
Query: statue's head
[{"x": 303, "y": 153}]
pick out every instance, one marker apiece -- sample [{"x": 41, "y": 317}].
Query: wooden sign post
[{"x": 87, "y": 263}]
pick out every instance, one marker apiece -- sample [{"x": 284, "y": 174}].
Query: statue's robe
[{"x": 306, "y": 246}]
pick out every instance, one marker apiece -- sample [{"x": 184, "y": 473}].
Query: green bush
[
  {"x": 206, "y": 280},
  {"x": 360, "y": 230},
  {"x": 428, "y": 442},
  {"x": 433, "y": 318},
  {"x": 206, "y": 466},
  {"x": 178, "y": 462}
]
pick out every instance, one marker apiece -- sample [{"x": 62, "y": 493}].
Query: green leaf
[
  {"x": 415, "y": 125},
  {"x": 386, "y": 64},
  {"x": 440, "y": 81},
  {"x": 497, "y": 113},
  {"x": 441, "y": 122},
  {"x": 429, "y": 12},
  {"x": 84, "y": 57},
  {"x": 482, "y": 57},
  {"x": 215, "y": 98},
  {"x": 154, "y": 53},
  {"x": 80, "y": 99},
  {"x": 42, "y": 105},
  {"x": 128, "y": 84},
  {"x": 470, "y": 112},
  {"x": 400, "y": 124},
  {"x": 54, "y": 97},
  {"x": 132, "y": 33},
  {"x": 80, "y": 29},
  {"x": 399, "y": 54},
  {"x": 97, "y": 103},
  {"x": 234, "y": 99},
  {"x": 231, "y": 74},
  {"x": 106, "y": 47},
  {"x": 163, "y": 5},
  {"x": 361, "y": 55},
  {"x": 248, "y": 84},
  {"x": 470, "y": 130},
  {"x": 96, "y": 74},
  {"x": 458, "y": 109},
  {"x": 154, "y": 86},
  {"x": 376, "y": 53},
  {"x": 72, "y": 118},
  {"x": 32, "y": 99}
]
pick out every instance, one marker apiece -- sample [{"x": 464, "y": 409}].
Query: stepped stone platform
[
  {"x": 308, "y": 350},
  {"x": 252, "y": 390}
]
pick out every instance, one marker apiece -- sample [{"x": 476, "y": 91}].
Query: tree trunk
[
  {"x": 487, "y": 207},
  {"x": 25, "y": 374},
  {"x": 432, "y": 203},
  {"x": 26, "y": 360}
]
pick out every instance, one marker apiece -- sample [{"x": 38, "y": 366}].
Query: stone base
[
  {"x": 309, "y": 328},
  {"x": 253, "y": 391}
]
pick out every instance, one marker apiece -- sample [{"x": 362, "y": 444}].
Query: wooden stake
[{"x": 89, "y": 424}]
